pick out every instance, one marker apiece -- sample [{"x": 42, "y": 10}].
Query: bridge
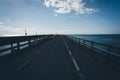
[{"x": 57, "y": 57}]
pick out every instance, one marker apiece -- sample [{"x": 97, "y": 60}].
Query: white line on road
[
  {"x": 23, "y": 65},
  {"x": 29, "y": 60},
  {"x": 70, "y": 52},
  {"x": 74, "y": 62},
  {"x": 37, "y": 53}
]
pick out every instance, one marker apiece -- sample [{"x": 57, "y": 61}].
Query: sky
[{"x": 59, "y": 17}]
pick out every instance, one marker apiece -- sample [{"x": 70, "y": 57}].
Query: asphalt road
[{"x": 56, "y": 59}]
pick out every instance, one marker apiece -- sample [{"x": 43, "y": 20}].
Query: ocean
[{"x": 109, "y": 39}]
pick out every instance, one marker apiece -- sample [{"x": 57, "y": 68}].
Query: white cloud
[
  {"x": 2, "y": 23},
  {"x": 8, "y": 21},
  {"x": 67, "y": 6},
  {"x": 55, "y": 15}
]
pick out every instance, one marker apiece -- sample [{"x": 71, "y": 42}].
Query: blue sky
[{"x": 59, "y": 16}]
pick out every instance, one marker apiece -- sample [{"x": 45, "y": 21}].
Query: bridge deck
[{"x": 52, "y": 61}]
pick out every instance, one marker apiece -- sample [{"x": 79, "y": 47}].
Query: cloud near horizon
[{"x": 67, "y": 6}]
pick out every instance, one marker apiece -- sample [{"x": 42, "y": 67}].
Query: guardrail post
[
  {"x": 92, "y": 44},
  {"x": 12, "y": 48},
  {"x": 35, "y": 40},
  {"x": 76, "y": 40},
  {"x": 43, "y": 37},
  {"x": 29, "y": 42},
  {"x": 18, "y": 46},
  {"x": 39, "y": 40},
  {"x": 79, "y": 41},
  {"x": 108, "y": 49},
  {"x": 83, "y": 42}
]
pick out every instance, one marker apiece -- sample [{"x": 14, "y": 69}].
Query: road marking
[
  {"x": 29, "y": 60},
  {"x": 70, "y": 52},
  {"x": 81, "y": 76},
  {"x": 37, "y": 53},
  {"x": 74, "y": 62},
  {"x": 67, "y": 47},
  {"x": 23, "y": 65}
]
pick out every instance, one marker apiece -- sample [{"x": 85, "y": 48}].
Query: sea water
[{"x": 110, "y": 39}]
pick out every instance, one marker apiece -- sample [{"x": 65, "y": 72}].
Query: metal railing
[
  {"x": 103, "y": 49},
  {"x": 12, "y": 44}
]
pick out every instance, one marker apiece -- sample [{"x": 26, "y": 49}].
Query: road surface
[{"x": 57, "y": 59}]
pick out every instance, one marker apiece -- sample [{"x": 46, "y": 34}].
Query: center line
[
  {"x": 74, "y": 62},
  {"x": 23, "y": 65},
  {"x": 70, "y": 53}
]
